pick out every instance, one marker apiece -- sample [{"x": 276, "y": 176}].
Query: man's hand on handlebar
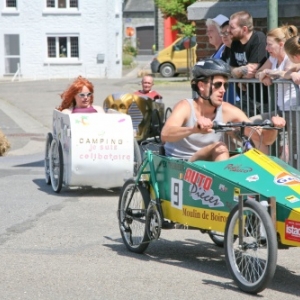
[
  {"x": 204, "y": 125},
  {"x": 278, "y": 122}
]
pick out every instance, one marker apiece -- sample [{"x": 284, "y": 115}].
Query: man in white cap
[{"x": 213, "y": 32}]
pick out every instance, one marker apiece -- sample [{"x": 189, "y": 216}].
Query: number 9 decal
[{"x": 176, "y": 193}]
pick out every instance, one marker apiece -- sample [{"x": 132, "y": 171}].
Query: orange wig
[{"x": 68, "y": 96}]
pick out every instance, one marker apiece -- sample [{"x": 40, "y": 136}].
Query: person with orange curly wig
[{"x": 78, "y": 98}]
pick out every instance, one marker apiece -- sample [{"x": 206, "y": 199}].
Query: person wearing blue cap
[{"x": 213, "y": 32}]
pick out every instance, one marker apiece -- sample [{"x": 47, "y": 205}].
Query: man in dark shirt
[{"x": 248, "y": 53}]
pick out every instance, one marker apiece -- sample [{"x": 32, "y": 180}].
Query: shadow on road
[
  {"x": 34, "y": 164},
  {"x": 206, "y": 258},
  {"x": 76, "y": 191}
]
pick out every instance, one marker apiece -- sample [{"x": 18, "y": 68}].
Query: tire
[
  {"x": 167, "y": 113},
  {"x": 155, "y": 125},
  {"x": 56, "y": 165},
  {"x": 132, "y": 216},
  {"x": 253, "y": 264},
  {"x": 153, "y": 222},
  {"x": 137, "y": 158},
  {"x": 167, "y": 70},
  {"x": 217, "y": 238},
  {"x": 49, "y": 139}
]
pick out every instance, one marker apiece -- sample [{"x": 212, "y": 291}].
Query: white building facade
[{"x": 46, "y": 39}]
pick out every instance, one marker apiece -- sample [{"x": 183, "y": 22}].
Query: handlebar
[{"x": 219, "y": 126}]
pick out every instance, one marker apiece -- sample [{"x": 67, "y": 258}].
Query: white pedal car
[{"x": 95, "y": 150}]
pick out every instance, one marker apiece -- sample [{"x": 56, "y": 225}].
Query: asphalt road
[{"x": 68, "y": 245}]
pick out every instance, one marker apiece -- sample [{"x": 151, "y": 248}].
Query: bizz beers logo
[{"x": 285, "y": 178}]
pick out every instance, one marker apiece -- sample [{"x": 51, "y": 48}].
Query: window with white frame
[
  {"x": 63, "y": 47},
  {"x": 11, "y": 3},
  {"x": 62, "y": 3}
]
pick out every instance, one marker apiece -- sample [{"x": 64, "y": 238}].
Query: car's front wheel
[{"x": 167, "y": 70}]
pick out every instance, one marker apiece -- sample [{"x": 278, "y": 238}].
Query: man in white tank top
[{"x": 188, "y": 132}]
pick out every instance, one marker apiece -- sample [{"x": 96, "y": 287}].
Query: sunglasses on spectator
[
  {"x": 224, "y": 33},
  {"x": 83, "y": 95},
  {"x": 218, "y": 84}
]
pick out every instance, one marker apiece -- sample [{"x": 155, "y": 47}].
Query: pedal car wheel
[
  {"x": 153, "y": 222},
  {"x": 217, "y": 238},
  {"x": 133, "y": 202},
  {"x": 49, "y": 139},
  {"x": 252, "y": 264},
  {"x": 56, "y": 165},
  {"x": 137, "y": 160}
]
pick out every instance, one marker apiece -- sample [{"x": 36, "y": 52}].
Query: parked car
[{"x": 175, "y": 59}]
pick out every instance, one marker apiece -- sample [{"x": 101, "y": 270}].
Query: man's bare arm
[{"x": 247, "y": 71}]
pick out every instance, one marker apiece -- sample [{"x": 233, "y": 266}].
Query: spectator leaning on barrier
[
  {"x": 213, "y": 28},
  {"x": 275, "y": 67},
  {"x": 248, "y": 54},
  {"x": 227, "y": 41},
  {"x": 225, "y": 56},
  {"x": 292, "y": 49}
]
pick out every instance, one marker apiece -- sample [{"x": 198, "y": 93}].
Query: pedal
[{"x": 124, "y": 229}]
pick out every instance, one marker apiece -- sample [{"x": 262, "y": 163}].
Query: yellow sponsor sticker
[
  {"x": 292, "y": 199},
  {"x": 236, "y": 193}
]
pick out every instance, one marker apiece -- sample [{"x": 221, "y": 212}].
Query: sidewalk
[
  {"x": 141, "y": 65},
  {"x": 26, "y": 107}
]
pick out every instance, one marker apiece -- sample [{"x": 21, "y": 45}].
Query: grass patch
[{"x": 127, "y": 60}]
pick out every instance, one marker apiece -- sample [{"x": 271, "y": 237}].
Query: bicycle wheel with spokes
[
  {"x": 253, "y": 262},
  {"x": 133, "y": 202}
]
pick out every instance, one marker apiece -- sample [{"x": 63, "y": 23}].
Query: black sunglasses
[{"x": 218, "y": 84}]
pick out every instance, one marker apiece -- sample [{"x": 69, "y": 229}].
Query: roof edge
[{"x": 259, "y": 9}]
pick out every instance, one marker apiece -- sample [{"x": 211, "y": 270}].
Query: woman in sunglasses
[
  {"x": 188, "y": 133},
  {"x": 78, "y": 98}
]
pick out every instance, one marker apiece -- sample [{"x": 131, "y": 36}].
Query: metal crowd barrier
[{"x": 254, "y": 98}]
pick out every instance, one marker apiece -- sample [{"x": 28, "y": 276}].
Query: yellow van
[{"x": 173, "y": 60}]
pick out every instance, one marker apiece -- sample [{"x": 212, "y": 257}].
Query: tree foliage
[{"x": 178, "y": 10}]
